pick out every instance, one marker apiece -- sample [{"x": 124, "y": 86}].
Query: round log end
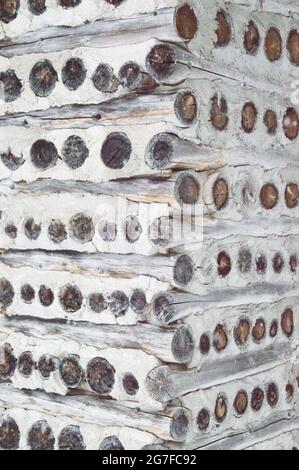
[
  {"x": 242, "y": 332},
  {"x": 41, "y": 437},
  {"x": 270, "y": 121},
  {"x": 26, "y": 364},
  {"x": 43, "y": 78},
  {"x": 183, "y": 271},
  {"x": 187, "y": 189},
  {"x": 241, "y": 402},
  {"x": 158, "y": 384},
  {"x": 293, "y": 46},
  {"x": 70, "y": 371},
  {"x": 8, "y": 362},
  {"x": 186, "y": 22},
  {"x": 249, "y": 117},
  {"x": 37, "y": 7},
  {"x": 180, "y": 423},
  {"x": 252, "y": 38},
  {"x": 9, "y": 10},
  {"x": 223, "y": 31},
  {"x": 291, "y": 124},
  {"x": 185, "y": 107},
  {"x": 269, "y": 196},
  {"x": 273, "y": 45},
  {"x": 7, "y": 293},
  {"x": 81, "y": 228},
  {"x": 183, "y": 345},
  {"x": 71, "y": 438},
  {"x": 9, "y": 433},
  {"x": 287, "y": 322},
  {"x": 161, "y": 61},
  {"x": 100, "y": 376},
  {"x": 116, "y": 151},
  {"x": 160, "y": 151},
  {"x": 163, "y": 308}
]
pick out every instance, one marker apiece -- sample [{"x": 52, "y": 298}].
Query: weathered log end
[{"x": 183, "y": 345}]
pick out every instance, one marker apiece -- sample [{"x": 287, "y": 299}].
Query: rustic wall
[{"x": 149, "y": 224}]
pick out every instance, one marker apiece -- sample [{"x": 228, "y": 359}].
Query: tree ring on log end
[
  {"x": 116, "y": 150},
  {"x": 41, "y": 437},
  {"x": 163, "y": 307},
  {"x": 161, "y": 61},
  {"x": 179, "y": 426},
  {"x": 74, "y": 152},
  {"x": 220, "y": 194},
  {"x": 100, "y": 375},
  {"x": 9, "y": 433},
  {"x": 119, "y": 303},
  {"x": 97, "y": 302},
  {"x": 185, "y": 107},
  {"x": 73, "y": 73},
  {"x": 70, "y": 298},
  {"x": 187, "y": 189},
  {"x": 43, "y": 78},
  {"x": 160, "y": 151},
  {"x": 43, "y": 154},
  {"x": 70, "y": 371},
  {"x": 182, "y": 345},
  {"x": 183, "y": 271},
  {"x": 71, "y": 438},
  {"x": 57, "y": 232},
  {"x": 104, "y": 79},
  {"x": 261, "y": 264},
  {"x": 186, "y": 22},
  {"x": 81, "y": 228}
]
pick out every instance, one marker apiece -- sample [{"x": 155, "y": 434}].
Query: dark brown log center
[
  {"x": 273, "y": 45},
  {"x": 220, "y": 194},
  {"x": 241, "y": 402},
  {"x": 252, "y": 38},
  {"x": 293, "y": 46},
  {"x": 186, "y": 22},
  {"x": 100, "y": 375},
  {"x": 223, "y": 31},
  {"x": 185, "y": 107},
  {"x": 269, "y": 196},
  {"x": 161, "y": 61},
  {"x": 291, "y": 124}
]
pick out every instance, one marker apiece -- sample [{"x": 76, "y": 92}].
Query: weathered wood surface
[
  {"x": 104, "y": 104},
  {"x": 166, "y": 426},
  {"x": 165, "y": 383},
  {"x": 175, "y": 344},
  {"x": 69, "y": 433}
]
